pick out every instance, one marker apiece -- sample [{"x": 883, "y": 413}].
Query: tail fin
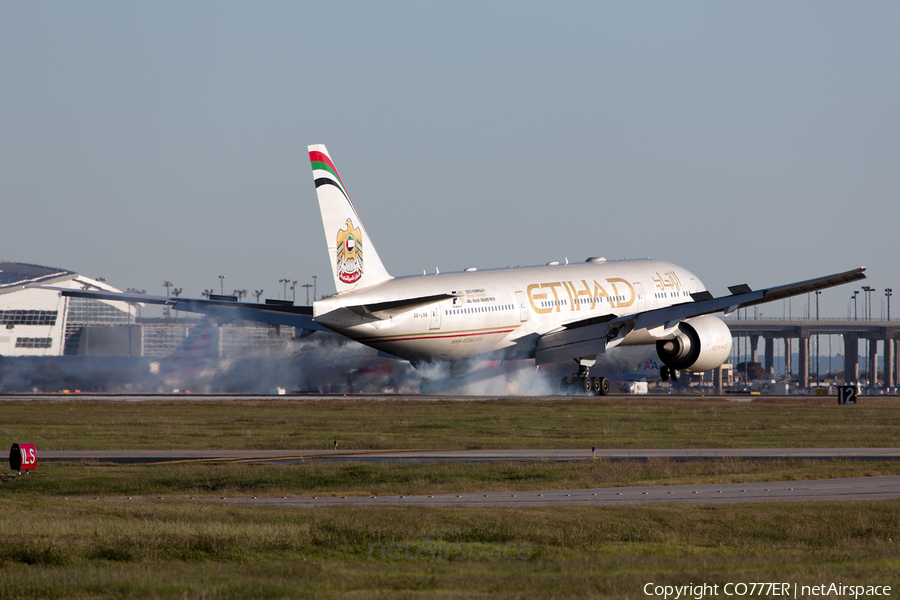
[
  {"x": 347, "y": 239},
  {"x": 202, "y": 341}
]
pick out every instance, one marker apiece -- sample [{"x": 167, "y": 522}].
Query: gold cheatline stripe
[{"x": 428, "y": 334}]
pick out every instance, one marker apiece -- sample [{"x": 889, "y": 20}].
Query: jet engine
[{"x": 700, "y": 344}]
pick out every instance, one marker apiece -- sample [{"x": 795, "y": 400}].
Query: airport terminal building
[
  {"x": 35, "y": 321},
  {"x": 39, "y": 322}
]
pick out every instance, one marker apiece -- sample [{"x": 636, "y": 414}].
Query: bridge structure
[{"x": 852, "y": 332}]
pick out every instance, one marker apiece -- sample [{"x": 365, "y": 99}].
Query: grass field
[
  {"x": 65, "y": 549},
  {"x": 186, "y": 480},
  {"x": 616, "y": 422},
  {"x": 57, "y": 542}
]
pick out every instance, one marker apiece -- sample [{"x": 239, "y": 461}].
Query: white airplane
[{"x": 550, "y": 313}]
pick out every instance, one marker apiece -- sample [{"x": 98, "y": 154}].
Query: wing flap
[{"x": 574, "y": 343}]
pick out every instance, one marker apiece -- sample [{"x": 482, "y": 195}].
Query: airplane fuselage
[{"x": 502, "y": 312}]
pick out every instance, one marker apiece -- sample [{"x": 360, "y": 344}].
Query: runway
[{"x": 383, "y": 456}]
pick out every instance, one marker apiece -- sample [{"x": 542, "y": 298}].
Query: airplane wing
[
  {"x": 594, "y": 336},
  {"x": 274, "y": 314}
]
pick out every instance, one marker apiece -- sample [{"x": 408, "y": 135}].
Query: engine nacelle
[{"x": 701, "y": 344}]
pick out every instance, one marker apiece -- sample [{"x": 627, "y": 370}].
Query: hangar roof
[{"x": 19, "y": 274}]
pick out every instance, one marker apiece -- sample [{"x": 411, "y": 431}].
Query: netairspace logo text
[{"x": 756, "y": 590}]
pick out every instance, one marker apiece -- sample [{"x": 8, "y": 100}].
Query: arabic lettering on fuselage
[{"x": 669, "y": 279}]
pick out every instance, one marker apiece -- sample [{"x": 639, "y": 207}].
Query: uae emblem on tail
[{"x": 349, "y": 254}]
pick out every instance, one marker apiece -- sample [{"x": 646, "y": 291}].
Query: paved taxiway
[
  {"x": 163, "y": 456},
  {"x": 860, "y": 488}
]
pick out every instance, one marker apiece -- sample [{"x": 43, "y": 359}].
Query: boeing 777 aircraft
[{"x": 552, "y": 313}]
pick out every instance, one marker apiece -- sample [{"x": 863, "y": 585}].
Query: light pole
[
  {"x": 285, "y": 282},
  {"x": 207, "y": 293},
  {"x": 868, "y": 290},
  {"x": 177, "y": 292},
  {"x": 314, "y": 277},
  {"x": 239, "y": 294},
  {"x": 864, "y": 288},
  {"x": 307, "y": 286},
  {"x": 870, "y": 377},
  {"x": 853, "y": 297},
  {"x": 167, "y": 285},
  {"x": 222, "y": 284},
  {"x": 257, "y": 293},
  {"x": 818, "y": 292},
  {"x": 888, "y": 292}
]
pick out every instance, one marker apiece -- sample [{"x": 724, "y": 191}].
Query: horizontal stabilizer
[
  {"x": 273, "y": 314},
  {"x": 403, "y": 304}
]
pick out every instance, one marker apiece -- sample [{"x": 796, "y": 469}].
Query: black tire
[
  {"x": 604, "y": 387},
  {"x": 664, "y": 373},
  {"x": 565, "y": 385},
  {"x": 674, "y": 375},
  {"x": 587, "y": 385},
  {"x": 597, "y": 385}
]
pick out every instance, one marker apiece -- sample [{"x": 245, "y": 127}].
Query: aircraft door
[
  {"x": 639, "y": 298},
  {"x": 435, "y": 316},
  {"x": 523, "y": 307}
]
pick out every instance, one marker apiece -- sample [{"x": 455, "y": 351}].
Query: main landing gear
[
  {"x": 667, "y": 373},
  {"x": 581, "y": 383}
]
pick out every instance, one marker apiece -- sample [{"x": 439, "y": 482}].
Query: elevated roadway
[{"x": 851, "y": 330}]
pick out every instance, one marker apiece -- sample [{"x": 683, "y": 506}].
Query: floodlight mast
[{"x": 888, "y": 292}]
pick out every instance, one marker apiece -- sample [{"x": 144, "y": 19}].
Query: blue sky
[{"x": 751, "y": 143}]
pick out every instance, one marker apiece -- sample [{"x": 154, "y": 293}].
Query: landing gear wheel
[
  {"x": 664, "y": 373},
  {"x": 587, "y": 384},
  {"x": 565, "y": 385},
  {"x": 674, "y": 374},
  {"x": 601, "y": 386}
]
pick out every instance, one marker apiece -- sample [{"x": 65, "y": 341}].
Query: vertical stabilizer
[{"x": 354, "y": 262}]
